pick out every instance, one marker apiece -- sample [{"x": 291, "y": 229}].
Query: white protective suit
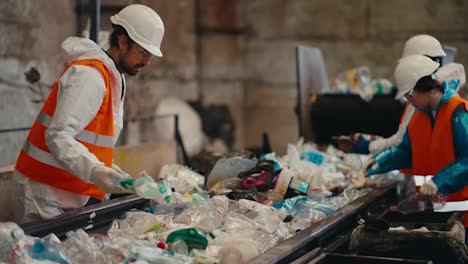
[
  {"x": 445, "y": 73},
  {"x": 81, "y": 91}
]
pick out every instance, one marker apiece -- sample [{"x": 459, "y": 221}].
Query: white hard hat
[
  {"x": 423, "y": 45},
  {"x": 143, "y": 25},
  {"x": 410, "y": 69}
]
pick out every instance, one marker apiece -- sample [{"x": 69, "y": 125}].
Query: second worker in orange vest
[
  {"x": 436, "y": 141},
  {"x": 67, "y": 157}
]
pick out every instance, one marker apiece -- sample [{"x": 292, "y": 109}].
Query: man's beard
[{"x": 132, "y": 71}]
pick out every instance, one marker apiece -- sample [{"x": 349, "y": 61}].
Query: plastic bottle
[
  {"x": 10, "y": 234},
  {"x": 147, "y": 188}
]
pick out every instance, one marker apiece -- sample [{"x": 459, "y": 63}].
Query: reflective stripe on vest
[
  {"x": 37, "y": 163},
  {"x": 85, "y": 135},
  {"x": 459, "y": 206},
  {"x": 420, "y": 180}
]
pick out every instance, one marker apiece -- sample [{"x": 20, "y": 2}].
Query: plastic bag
[
  {"x": 228, "y": 168},
  {"x": 181, "y": 178}
]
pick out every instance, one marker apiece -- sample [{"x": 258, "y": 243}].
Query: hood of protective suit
[
  {"x": 83, "y": 48},
  {"x": 450, "y": 90}
]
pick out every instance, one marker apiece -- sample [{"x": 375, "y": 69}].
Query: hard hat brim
[
  {"x": 153, "y": 49},
  {"x": 401, "y": 94}
]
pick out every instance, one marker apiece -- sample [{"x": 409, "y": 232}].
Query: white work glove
[
  {"x": 428, "y": 189},
  {"x": 117, "y": 168},
  {"x": 108, "y": 179},
  {"x": 372, "y": 165}
]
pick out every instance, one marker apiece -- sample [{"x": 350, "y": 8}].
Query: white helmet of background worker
[
  {"x": 424, "y": 45},
  {"x": 429, "y": 46},
  {"x": 143, "y": 25},
  {"x": 410, "y": 69}
]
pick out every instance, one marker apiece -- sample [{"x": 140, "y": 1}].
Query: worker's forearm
[{"x": 453, "y": 178}]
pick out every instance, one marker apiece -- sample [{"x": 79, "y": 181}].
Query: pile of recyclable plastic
[
  {"x": 241, "y": 209},
  {"x": 359, "y": 81}
]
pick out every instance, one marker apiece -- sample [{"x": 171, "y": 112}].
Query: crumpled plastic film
[
  {"x": 205, "y": 215},
  {"x": 228, "y": 168},
  {"x": 181, "y": 178}
]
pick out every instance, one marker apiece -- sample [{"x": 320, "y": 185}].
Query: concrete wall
[
  {"x": 234, "y": 52},
  {"x": 30, "y": 35},
  {"x": 350, "y": 33}
]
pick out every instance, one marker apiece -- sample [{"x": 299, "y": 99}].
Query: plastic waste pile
[
  {"x": 359, "y": 81},
  {"x": 303, "y": 170},
  {"x": 217, "y": 230},
  {"x": 245, "y": 208}
]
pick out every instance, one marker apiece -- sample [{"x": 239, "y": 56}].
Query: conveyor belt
[
  {"x": 95, "y": 217},
  {"x": 373, "y": 203}
]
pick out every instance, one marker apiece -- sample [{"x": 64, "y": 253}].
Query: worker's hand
[
  {"x": 117, "y": 168},
  {"x": 108, "y": 179},
  {"x": 370, "y": 167},
  {"x": 428, "y": 189}
]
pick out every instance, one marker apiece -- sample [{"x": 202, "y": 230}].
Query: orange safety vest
[
  {"x": 432, "y": 147},
  {"x": 35, "y": 160}
]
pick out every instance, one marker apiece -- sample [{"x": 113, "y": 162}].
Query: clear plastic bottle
[
  {"x": 10, "y": 234},
  {"x": 147, "y": 188}
]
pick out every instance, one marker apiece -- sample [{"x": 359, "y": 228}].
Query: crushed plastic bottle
[{"x": 10, "y": 234}]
